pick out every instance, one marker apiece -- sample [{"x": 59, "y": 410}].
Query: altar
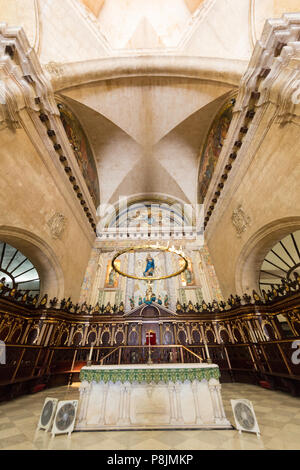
[{"x": 156, "y": 396}]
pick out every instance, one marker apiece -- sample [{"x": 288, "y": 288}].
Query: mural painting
[
  {"x": 112, "y": 277},
  {"x": 82, "y": 151},
  {"x": 187, "y": 277},
  {"x": 213, "y": 147}
]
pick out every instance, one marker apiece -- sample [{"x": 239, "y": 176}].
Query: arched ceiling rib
[
  {"x": 148, "y": 108},
  {"x": 160, "y": 159}
]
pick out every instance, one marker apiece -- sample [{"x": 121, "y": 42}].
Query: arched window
[
  {"x": 281, "y": 262},
  {"x": 18, "y": 271}
]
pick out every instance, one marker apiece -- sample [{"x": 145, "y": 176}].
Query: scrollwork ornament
[
  {"x": 240, "y": 220},
  {"x": 57, "y": 225}
]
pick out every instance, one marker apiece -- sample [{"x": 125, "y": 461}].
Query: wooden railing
[
  {"x": 156, "y": 354},
  {"x": 258, "y": 345}
]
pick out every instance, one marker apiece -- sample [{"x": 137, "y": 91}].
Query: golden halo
[{"x": 152, "y": 247}]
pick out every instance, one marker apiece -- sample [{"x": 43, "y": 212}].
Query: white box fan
[
  {"x": 47, "y": 414},
  {"x": 244, "y": 416},
  {"x": 65, "y": 416}
]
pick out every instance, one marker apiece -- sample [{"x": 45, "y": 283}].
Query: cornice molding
[
  {"x": 69, "y": 75},
  {"x": 266, "y": 95},
  {"x": 26, "y": 97}
]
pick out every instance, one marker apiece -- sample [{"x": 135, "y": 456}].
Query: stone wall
[{"x": 37, "y": 218}]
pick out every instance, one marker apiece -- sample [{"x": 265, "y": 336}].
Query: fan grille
[
  {"x": 47, "y": 413},
  {"x": 65, "y": 417},
  {"x": 244, "y": 416}
]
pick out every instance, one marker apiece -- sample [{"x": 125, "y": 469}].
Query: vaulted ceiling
[
  {"x": 95, "y": 6},
  {"x": 147, "y": 133},
  {"x": 140, "y": 23}
]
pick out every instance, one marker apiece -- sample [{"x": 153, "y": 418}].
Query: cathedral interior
[{"x": 150, "y": 217}]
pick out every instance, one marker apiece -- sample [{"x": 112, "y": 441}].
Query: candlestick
[
  {"x": 91, "y": 352},
  {"x": 207, "y": 352}
]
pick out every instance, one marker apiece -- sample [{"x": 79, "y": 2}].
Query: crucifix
[{"x": 149, "y": 336}]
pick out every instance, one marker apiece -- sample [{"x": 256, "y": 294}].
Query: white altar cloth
[{"x": 156, "y": 396}]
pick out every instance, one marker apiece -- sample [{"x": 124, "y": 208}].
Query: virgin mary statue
[{"x": 150, "y": 266}]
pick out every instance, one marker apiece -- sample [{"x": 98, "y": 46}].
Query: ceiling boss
[{"x": 149, "y": 273}]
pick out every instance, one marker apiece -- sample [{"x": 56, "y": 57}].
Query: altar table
[{"x": 156, "y": 396}]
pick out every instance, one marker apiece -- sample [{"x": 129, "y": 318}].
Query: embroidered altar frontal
[{"x": 158, "y": 396}]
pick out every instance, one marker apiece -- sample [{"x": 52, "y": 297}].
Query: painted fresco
[
  {"x": 187, "y": 277},
  {"x": 82, "y": 151},
  {"x": 150, "y": 215},
  {"x": 112, "y": 277},
  {"x": 213, "y": 147}
]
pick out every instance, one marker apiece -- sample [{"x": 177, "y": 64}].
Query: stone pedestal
[{"x": 157, "y": 396}]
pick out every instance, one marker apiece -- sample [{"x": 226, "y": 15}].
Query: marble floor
[{"x": 278, "y": 416}]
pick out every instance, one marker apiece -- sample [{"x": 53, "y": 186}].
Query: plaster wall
[{"x": 30, "y": 196}]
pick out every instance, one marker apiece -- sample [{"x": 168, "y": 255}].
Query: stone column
[
  {"x": 130, "y": 282},
  {"x": 94, "y": 295},
  {"x": 215, "y": 393},
  {"x": 178, "y": 404},
  {"x": 170, "y": 282},
  {"x": 105, "y": 388},
  {"x": 84, "y": 391},
  {"x": 194, "y": 386},
  {"x": 121, "y": 404},
  {"x": 171, "y": 388},
  {"x": 220, "y": 402},
  {"x": 215, "y": 402},
  {"x": 124, "y": 404},
  {"x": 204, "y": 278},
  {"x": 127, "y": 403}
]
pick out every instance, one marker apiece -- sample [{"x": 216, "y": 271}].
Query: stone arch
[
  {"x": 42, "y": 257},
  {"x": 256, "y": 248},
  {"x": 113, "y": 209}
]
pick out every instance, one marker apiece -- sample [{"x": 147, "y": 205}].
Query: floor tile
[{"x": 278, "y": 416}]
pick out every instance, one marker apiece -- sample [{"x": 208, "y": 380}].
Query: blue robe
[{"x": 149, "y": 268}]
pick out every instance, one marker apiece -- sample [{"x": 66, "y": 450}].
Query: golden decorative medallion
[{"x": 154, "y": 248}]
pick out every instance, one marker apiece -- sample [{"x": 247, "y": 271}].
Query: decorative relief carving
[
  {"x": 57, "y": 225},
  {"x": 54, "y": 68},
  {"x": 240, "y": 220}
]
